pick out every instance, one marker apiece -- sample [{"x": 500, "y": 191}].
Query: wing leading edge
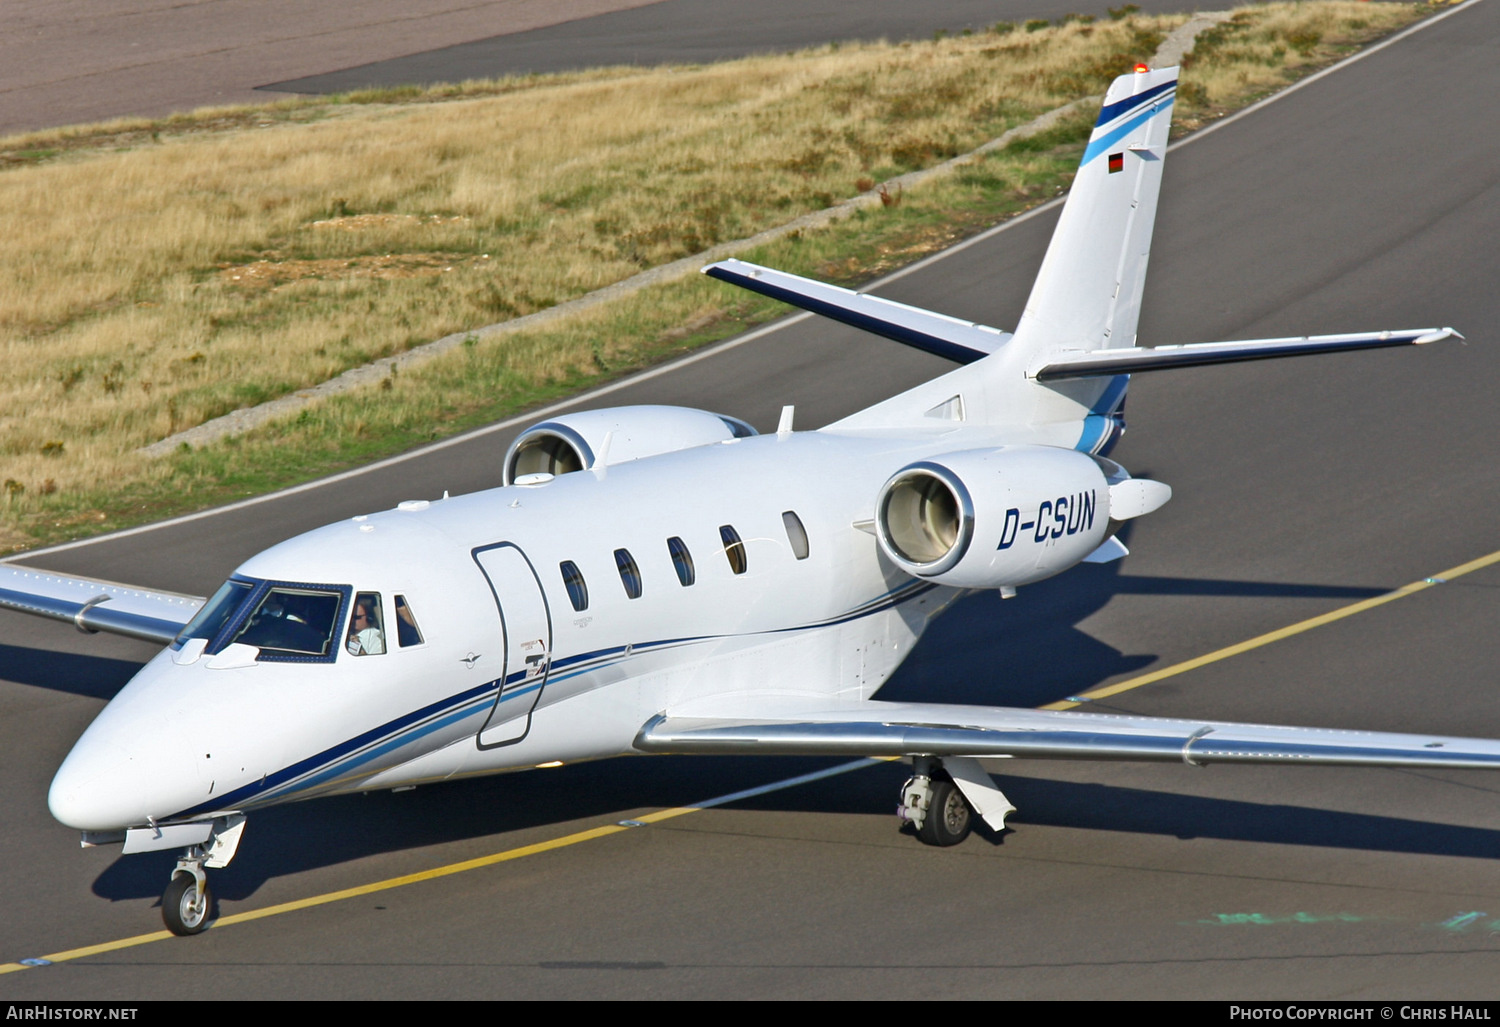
[
  {"x": 965, "y": 341},
  {"x": 960, "y": 341},
  {"x": 1108, "y": 362},
  {"x": 91, "y": 605},
  {"x": 928, "y": 729}
]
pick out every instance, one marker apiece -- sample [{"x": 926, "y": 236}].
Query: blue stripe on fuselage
[
  {"x": 231, "y": 800},
  {"x": 378, "y": 741}
]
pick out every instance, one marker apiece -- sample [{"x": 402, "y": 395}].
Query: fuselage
[{"x": 484, "y": 580}]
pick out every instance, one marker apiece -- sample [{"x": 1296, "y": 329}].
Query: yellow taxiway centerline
[
  {"x": 677, "y": 811},
  {"x": 1105, "y": 691},
  {"x": 443, "y": 871}
]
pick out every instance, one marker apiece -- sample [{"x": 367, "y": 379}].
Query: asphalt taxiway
[
  {"x": 1368, "y": 199},
  {"x": 73, "y": 62}
]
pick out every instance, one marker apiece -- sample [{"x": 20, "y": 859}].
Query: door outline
[{"x": 502, "y": 692}]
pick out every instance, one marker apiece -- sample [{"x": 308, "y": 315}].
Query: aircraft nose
[
  {"x": 91, "y": 790},
  {"x": 136, "y": 761},
  {"x": 103, "y": 787}
]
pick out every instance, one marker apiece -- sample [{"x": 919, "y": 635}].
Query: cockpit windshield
[
  {"x": 295, "y": 621},
  {"x": 285, "y": 621},
  {"x": 215, "y": 613}
]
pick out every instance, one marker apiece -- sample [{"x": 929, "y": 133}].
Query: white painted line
[
  {"x": 1340, "y": 66},
  {"x": 791, "y": 782}
]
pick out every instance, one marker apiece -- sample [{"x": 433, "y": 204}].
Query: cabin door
[{"x": 526, "y": 630}]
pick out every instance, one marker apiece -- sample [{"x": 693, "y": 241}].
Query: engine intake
[
  {"x": 926, "y": 518},
  {"x": 993, "y": 518},
  {"x": 615, "y": 435}
]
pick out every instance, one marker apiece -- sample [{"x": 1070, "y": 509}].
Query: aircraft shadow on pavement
[
  {"x": 1140, "y": 811},
  {"x": 1029, "y": 651},
  {"x": 326, "y": 832},
  {"x": 96, "y": 677},
  {"x": 329, "y": 832}
]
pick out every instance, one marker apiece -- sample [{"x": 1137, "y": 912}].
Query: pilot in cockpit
[{"x": 366, "y": 634}]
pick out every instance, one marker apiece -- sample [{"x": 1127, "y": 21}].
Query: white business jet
[{"x": 665, "y": 580}]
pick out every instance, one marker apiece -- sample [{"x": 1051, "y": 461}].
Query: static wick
[{"x": 631, "y": 823}]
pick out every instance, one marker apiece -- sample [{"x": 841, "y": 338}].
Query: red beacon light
[{"x": 1141, "y": 69}]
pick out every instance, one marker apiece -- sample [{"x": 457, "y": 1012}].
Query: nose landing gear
[
  {"x": 187, "y": 905},
  {"x": 187, "y": 902}
]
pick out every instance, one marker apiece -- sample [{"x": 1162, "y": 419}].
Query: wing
[
  {"x": 1106, "y": 362},
  {"x": 96, "y": 605},
  {"x": 963, "y": 341},
  {"x": 875, "y": 728}
]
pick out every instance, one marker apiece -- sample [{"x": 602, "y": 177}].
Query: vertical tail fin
[
  {"x": 1086, "y": 297},
  {"x": 1088, "y": 294}
]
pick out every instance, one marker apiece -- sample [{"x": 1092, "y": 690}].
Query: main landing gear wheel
[
  {"x": 183, "y": 909},
  {"x": 949, "y": 818}
]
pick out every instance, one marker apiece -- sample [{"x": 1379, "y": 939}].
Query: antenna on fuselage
[{"x": 603, "y": 457}]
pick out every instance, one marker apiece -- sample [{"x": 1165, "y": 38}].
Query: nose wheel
[
  {"x": 187, "y": 903},
  {"x": 187, "y": 906}
]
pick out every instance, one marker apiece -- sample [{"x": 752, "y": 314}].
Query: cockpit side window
[
  {"x": 407, "y": 632},
  {"x": 366, "y": 626},
  {"x": 294, "y": 621},
  {"x": 216, "y": 613}
]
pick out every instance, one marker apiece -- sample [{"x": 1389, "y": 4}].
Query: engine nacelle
[
  {"x": 615, "y": 435},
  {"x": 990, "y": 518}
]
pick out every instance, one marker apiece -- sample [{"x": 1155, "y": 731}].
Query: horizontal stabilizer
[
  {"x": 1107, "y": 362},
  {"x": 961, "y": 341},
  {"x": 876, "y": 728},
  {"x": 96, "y": 605}
]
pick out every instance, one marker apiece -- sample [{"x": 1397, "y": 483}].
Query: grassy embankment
[{"x": 159, "y": 274}]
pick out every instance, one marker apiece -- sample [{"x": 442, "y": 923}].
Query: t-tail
[
  {"x": 1087, "y": 295},
  {"x": 1061, "y": 378}
]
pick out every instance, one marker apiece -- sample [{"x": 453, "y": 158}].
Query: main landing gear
[
  {"x": 187, "y": 906},
  {"x": 941, "y": 808},
  {"x": 933, "y": 804}
]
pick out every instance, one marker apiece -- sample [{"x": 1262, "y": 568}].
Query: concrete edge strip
[
  {"x": 702, "y": 354},
  {"x": 237, "y": 422}
]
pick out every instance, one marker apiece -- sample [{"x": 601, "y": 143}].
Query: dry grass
[
  {"x": 1260, "y": 49},
  {"x": 215, "y": 263}
]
